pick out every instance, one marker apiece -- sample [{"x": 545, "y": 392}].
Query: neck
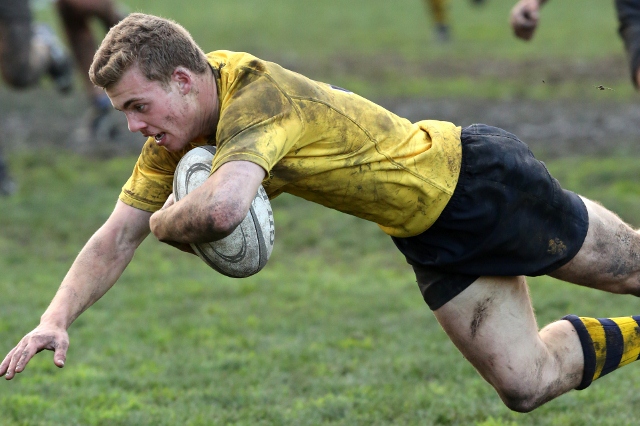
[
  {"x": 207, "y": 101},
  {"x": 208, "y": 98}
]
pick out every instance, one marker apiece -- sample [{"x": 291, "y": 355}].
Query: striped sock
[{"x": 607, "y": 344}]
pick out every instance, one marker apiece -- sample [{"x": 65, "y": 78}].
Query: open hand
[{"x": 42, "y": 337}]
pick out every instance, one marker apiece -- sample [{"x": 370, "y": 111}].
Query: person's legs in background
[
  {"x": 440, "y": 15},
  {"x": 27, "y": 53},
  {"x": 76, "y": 16}
]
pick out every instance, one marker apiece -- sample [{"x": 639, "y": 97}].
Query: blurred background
[{"x": 333, "y": 330}]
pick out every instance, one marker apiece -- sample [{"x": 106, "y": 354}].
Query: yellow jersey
[{"x": 319, "y": 142}]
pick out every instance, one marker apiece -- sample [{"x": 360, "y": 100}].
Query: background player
[
  {"x": 439, "y": 10},
  {"x": 28, "y": 52},
  {"x": 525, "y": 17},
  {"x": 76, "y": 17}
]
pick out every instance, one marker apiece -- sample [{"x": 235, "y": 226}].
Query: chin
[
  {"x": 170, "y": 149},
  {"x": 175, "y": 148}
]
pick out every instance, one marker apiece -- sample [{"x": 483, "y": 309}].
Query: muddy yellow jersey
[{"x": 319, "y": 142}]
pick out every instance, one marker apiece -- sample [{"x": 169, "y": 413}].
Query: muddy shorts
[{"x": 508, "y": 216}]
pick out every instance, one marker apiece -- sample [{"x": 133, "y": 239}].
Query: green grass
[
  {"x": 342, "y": 41},
  {"x": 310, "y": 29},
  {"x": 332, "y": 331}
]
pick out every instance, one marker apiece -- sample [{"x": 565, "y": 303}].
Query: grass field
[
  {"x": 386, "y": 48},
  {"x": 334, "y": 330}
]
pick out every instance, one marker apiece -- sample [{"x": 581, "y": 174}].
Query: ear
[{"x": 184, "y": 79}]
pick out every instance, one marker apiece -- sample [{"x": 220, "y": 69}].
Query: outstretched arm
[
  {"x": 214, "y": 209},
  {"x": 93, "y": 273},
  {"x": 524, "y": 18}
]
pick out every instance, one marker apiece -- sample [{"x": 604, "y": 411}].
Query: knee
[
  {"x": 519, "y": 399},
  {"x": 15, "y": 60},
  {"x": 629, "y": 285},
  {"x": 16, "y": 77},
  {"x": 632, "y": 284},
  {"x": 520, "y": 392},
  {"x": 634, "y": 291}
]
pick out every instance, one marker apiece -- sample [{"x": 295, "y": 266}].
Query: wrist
[
  {"x": 155, "y": 224},
  {"x": 55, "y": 320}
]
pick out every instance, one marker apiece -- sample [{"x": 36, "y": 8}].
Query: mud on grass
[{"x": 552, "y": 128}]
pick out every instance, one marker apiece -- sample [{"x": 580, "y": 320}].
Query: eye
[{"x": 139, "y": 107}]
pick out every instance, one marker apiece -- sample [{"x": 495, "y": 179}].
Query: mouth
[{"x": 159, "y": 137}]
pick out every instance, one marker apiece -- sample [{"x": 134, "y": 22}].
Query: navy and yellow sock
[{"x": 607, "y": 344}]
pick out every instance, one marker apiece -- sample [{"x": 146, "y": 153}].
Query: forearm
[
  {"x": 99, "y": 264},
  {"x": 188, "y": 223},
  {"x": 213, "y": 210},
  {"x": 93, "y": 273}
]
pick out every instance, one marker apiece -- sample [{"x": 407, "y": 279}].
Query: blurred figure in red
[{"x": 76, "y": 16}]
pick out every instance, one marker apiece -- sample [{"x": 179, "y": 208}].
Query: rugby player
[{"x": 471, "y": 209}]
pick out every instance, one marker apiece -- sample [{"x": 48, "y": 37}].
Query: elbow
[
  {"x": 228, "y": 226},
  {"x": 231, "y": 221}
]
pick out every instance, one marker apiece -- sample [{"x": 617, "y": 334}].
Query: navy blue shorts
[{"x": 508, "y": 216}]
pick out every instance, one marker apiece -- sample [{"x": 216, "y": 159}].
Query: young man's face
[{"x": 162, "y": 112}]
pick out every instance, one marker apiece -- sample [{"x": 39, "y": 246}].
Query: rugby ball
[{"x": 248, "y": 248}]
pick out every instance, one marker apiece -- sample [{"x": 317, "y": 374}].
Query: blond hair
[{"x": 156, "y": 45}]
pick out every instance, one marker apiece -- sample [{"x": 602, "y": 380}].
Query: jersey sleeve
[
  {"x": 151, "y": 182},
  {"x": 261, "y": 124}
]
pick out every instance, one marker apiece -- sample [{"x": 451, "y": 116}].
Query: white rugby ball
[{"x": 247, "y": 249}]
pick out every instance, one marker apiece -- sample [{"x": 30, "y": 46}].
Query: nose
[{"x": 134, "y": 123}]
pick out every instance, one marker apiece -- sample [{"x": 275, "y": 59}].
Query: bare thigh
[
  {"x": 492, "y": 323},
  {"x": 609, "y": 258}
]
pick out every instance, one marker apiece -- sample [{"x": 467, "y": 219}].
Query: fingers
[
  {"x": 5, "y": 363},
  {"x": 20, "y": 356},
  {"x": 24, "y": 357},
  {"x": 34, "y": 342},
  {"x": 60, "y": 354}
]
